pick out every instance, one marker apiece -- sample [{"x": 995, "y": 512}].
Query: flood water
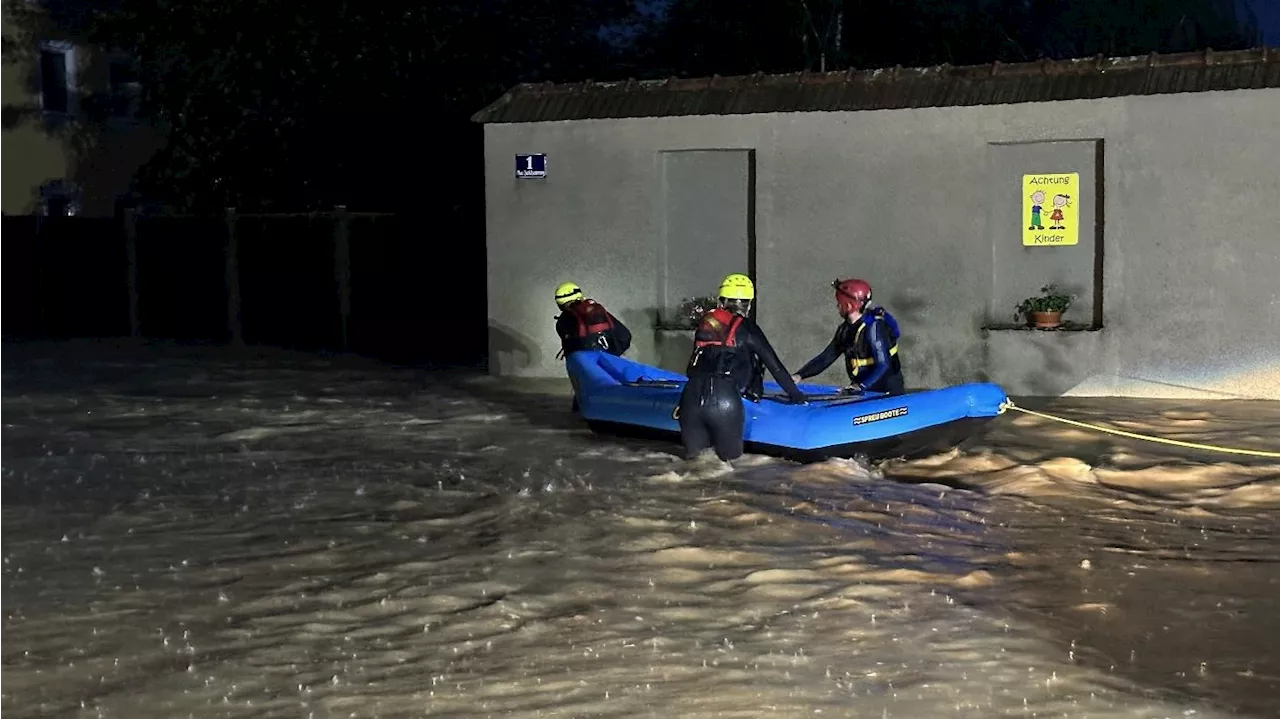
[{"x": 196, "y": 533}]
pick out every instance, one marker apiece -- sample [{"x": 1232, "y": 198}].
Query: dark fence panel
[
  {"x": 417, "y": 292},
  {"x": 182, "y": 288},
  {"x": 288, "y": 290},
  {"x": 21, "y": 277},
  {"x": 89, "y": 294},
  {"x": 75, "y": 275},
  {"x": 378, "y": 323},
  {"x": 415, "y": 295}
]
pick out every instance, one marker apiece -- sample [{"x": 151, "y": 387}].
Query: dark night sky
[{"x": 1268, "y": 14}]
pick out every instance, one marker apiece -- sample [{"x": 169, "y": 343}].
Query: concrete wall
[{"x": 910, "y": 200}]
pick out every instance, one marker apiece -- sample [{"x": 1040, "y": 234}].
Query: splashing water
[{"x": 200, "y": 534}]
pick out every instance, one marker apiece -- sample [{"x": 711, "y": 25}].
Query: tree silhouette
[
  {"x": 272, "y": 105},
  {"x": 704, "y": 37},
  {"x": 269, "y": 105}
]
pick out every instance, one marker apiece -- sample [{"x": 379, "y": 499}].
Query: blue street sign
[{"x": 531, "y": 166}]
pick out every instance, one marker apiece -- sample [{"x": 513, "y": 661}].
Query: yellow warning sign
[{"x": 1050, "y": 209}]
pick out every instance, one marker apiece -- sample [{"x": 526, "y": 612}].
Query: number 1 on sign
[{"x": 528, "y": 163}]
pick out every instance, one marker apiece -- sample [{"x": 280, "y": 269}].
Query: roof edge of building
[{"x": 890, "y": 88}]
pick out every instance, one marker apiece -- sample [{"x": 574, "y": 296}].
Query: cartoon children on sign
[
  {"x": 1037, "y": 205},
  {"x": 1051, "y": 197},
  {"x": 1059, "y": 202}
]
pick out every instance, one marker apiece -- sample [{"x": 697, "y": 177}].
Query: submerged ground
[{"x": 198, "y": 533}]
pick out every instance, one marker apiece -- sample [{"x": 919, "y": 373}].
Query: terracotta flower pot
[{"x": 1045, "y": 320}]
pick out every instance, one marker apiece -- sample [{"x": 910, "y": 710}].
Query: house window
[
  {"x": 126, "y": 90},
  {"x": 60, "y": 198},
  {"x": 57, "y": 77}
]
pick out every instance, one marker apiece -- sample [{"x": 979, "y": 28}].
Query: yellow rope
[{"x": 1191, "y": 445}]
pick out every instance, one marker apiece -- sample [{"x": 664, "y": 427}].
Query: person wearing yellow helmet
[
  {"x": 726, "y": 366},
  {"x": 584, "y": 324},
  {"x": 737, "y": 287}
]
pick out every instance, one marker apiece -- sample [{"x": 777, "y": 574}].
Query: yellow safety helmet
[
  {"x": 738, "y": 287},
  {"x": 568, "y": 292}
]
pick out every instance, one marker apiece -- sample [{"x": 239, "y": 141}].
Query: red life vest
[
  {"x": 718, "y": 328},
  {"x": 592, "y": 317}
]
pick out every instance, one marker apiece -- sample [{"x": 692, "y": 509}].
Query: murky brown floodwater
[
  {"x": 1162, "y": 562},
  {"x": 290, "y": 536}
]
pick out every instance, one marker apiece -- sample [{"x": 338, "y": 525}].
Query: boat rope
[{"x": 1008, "y": 404}]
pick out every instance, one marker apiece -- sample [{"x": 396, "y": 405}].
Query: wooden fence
[{"x": 364, "y": 282}]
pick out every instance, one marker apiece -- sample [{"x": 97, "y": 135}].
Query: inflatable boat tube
[{"x": 621, "y": 397}]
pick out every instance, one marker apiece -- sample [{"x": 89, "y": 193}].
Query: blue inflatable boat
[{"x": 618, "y": 396}]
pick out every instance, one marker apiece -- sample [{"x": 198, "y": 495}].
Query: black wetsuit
[
  {"x": 587, "y": 325},
  {"x": 726, "y": 367},
  {"x": 870, "y": 349}
]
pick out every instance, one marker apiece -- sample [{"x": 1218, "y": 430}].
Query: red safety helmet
[{"x": 852, "y": 295}]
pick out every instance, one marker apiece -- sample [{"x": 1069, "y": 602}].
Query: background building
[
  {"x": 913, "y": 179},
  {"x": 73, "y": 139}
]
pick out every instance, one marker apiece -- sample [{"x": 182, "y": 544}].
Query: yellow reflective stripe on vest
[
  {"x": 871, "y": 360},
  {"x": 855, "y": 364}
]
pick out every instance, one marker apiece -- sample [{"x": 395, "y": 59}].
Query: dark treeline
[
  {"x": 269, "y": 105},
  {"x": 704, "y": 37},
  {"x": 278, "y": 107}
]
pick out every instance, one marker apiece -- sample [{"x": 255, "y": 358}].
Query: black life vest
[
  {"x": 594, "y": 325},
  {"x": 858, "y": 355}
]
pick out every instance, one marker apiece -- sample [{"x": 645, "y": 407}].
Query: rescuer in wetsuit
[
  {"x": 584, "y": 324},
  {"x": 729, "y": 349},
  {"x": 868, "y": 339}
]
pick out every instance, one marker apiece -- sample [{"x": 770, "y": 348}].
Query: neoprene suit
[{"x": 721, "y": 371}]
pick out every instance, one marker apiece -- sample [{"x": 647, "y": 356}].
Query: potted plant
[
  {"x": 673, "y": 336},
  {"x": 691, "y": 312},
  {"x": 1045, "y": 310}
]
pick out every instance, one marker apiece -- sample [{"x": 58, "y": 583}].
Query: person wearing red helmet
[{"x": 868, "y": 339}]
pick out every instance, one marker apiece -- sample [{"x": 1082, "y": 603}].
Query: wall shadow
[
  {"x": 541, "y": 402},
  {"x": 11, "y": 116},
  {"x": 907, "y": 306},
  {"x": 510, "y": 350}
]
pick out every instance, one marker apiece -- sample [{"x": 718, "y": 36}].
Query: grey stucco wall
[{"x": 902, "y": 198}]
